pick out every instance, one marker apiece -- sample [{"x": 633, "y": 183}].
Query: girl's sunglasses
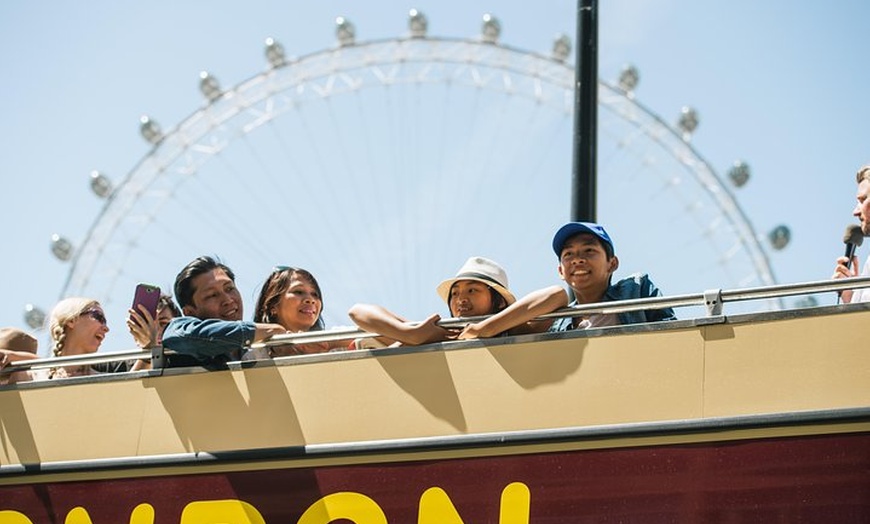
[{"x": 97, "y": 315}]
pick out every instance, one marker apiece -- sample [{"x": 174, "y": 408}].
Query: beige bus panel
[{"x": 685, "y": 373}]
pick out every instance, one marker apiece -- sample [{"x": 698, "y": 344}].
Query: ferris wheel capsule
[
  {"x": 561, "y": 48},
  {"x": 61, "y": 247},
  {"x": 209, "y": 86},
  {"x": 345, "y": 31},
  {"x": 491, "y": 29},
  {"x": 688, "y": 122},
  {"x": 779, "y": 237},
  {"x": 628, "y": 79},
  {"x": 418, "y": 23},
  {"x": 100, "y": 184},
  {"x": 150, "y": 130},
  {"x": 34, "y": 316},
  {"x": 739, "y": 173},
  {"x": 275, "y": 53}
]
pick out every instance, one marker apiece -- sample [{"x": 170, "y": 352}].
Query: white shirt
[{"x": 862, "y": 294}]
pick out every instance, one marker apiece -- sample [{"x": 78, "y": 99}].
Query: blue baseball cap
[{"x": 575, "y": 228}]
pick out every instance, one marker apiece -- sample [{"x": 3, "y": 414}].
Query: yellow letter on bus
[
  {"x": 221, "y": 512},
  {"x": 437, "y": 508},
  {"x": 516, "y": 503},
  {"x": 344, "y": 505},
  {"x": 13, "y": 517}
]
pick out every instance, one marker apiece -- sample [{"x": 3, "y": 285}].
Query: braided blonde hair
[{"x": 64, "y": 311}]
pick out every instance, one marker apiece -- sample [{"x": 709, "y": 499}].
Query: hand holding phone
[
  {"x": 147, "y": 295},
  {"x": 143, "y": 329}
]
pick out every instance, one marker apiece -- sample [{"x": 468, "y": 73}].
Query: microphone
[{"x": 853, "y": 238}]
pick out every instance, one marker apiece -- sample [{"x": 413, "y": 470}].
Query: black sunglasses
[{"x": 97, "y": 315}]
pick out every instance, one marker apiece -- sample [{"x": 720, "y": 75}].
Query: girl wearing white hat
[{"x": 480, "y": 287}]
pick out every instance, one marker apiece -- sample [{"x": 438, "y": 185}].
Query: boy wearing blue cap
[{"x": 586, "y": 263}]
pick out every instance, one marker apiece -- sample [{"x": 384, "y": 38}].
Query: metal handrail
[
  {"x": 74, "y": 360},
  {"x": 621, "y": 306}
]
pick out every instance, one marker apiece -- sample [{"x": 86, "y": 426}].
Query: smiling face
[
  {"x": 215, "y": 296},
  {"x": 469, "y": 298},
  {"x": 85, "y": 333},
  {"x": 584, "y": 266},
  {"x": 299, "y": 307}
]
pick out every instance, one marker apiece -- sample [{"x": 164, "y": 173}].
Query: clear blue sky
[{"x": 780, "y": 84}]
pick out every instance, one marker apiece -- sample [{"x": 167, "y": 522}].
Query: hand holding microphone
[{"x": 853, "y": 238}]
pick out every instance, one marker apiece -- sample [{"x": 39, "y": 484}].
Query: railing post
[
  {"x": 713, "y": 302},
  {"x": 157, "y": 357}
]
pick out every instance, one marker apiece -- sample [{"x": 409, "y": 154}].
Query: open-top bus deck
[{"x": 754, "y": 417}]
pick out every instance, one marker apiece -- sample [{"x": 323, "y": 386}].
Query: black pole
[{"x": 584, "y": 179}]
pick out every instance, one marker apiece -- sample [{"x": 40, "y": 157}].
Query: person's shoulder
[
  {"x": 181, "y": 321},
  {"x": 179, "y": 325},
  {"x": 184, "y": 321},
  {"x": 635, "y": 277},
  {"x": 636, "y": 285}
]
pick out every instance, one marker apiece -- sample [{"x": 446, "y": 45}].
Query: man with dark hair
[
  {"x": 212, "y": 330},
  {"x": 586, "y": 263}
]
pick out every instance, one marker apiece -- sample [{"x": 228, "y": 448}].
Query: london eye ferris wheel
[{"x": 380, "y": 166}]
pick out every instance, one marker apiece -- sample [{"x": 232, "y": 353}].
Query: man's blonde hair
[{"x": 863, "y": 174}]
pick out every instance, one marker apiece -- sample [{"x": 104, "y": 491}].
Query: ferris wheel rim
[{"x": 719, "y": 192}]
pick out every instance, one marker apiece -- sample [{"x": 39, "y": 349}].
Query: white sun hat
[{"x": 482, "y": 270}]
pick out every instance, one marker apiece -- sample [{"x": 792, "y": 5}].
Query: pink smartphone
[{"x": 147, "y": 295}]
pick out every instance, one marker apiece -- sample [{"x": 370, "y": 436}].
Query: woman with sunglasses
[
  {"x": 291, "y": 297},
  {"x": 77, "y": 326}
]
